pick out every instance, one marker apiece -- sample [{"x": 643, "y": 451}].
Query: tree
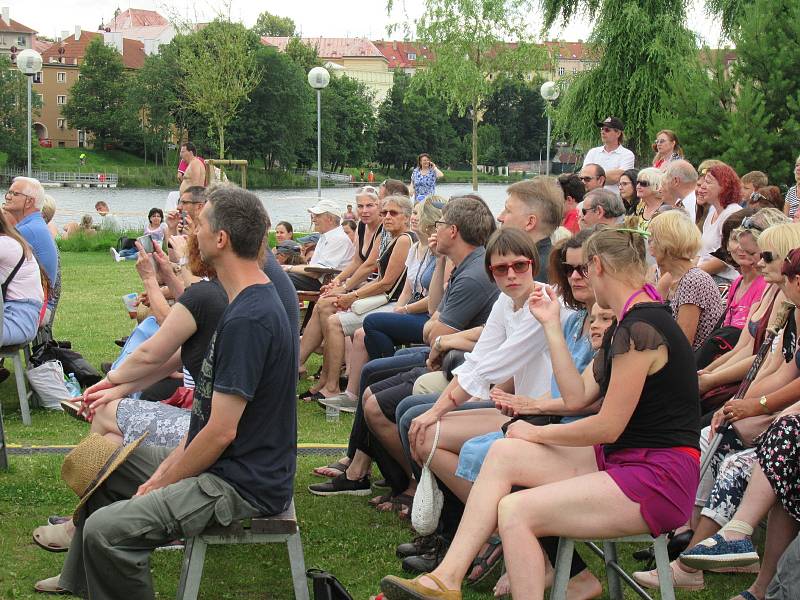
[
  {"x": 276, "y": 122},
  {"x": 98, "y": 100},
  {"x": 517, "y": 110},
  {"x": 468, "y": 39},
  {"x": 14, "y": 114},
  {"x": 304, "y": 55},
  {"x": 220, "y": 71},
  {"x": 268, "y": 24}
]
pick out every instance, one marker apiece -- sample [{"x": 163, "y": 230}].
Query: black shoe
[
  {"x": 121, "y": 341},
  {"x": 419, "y": 545},
  {"x": 4, "y": 373},
  {"x": 342, "y": 485},
  {"x": 425, "y": 563}
]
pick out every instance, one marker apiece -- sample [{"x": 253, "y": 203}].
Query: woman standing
[
  {"x": 721, "y": 191},
  {"x": 648, "y": 191},
  {"x": 423, "y": 177},
  {"x": 667, "y": 149}
]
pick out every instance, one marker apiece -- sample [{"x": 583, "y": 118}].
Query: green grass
[{"x": 340, "y": 534}]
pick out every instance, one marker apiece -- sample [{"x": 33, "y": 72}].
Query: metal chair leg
[
  {"x": 22, "y": 389},
  {"x": 610, "y": 558},
  {"x": 192, "y": 569},
  {"x": 297, "y": 563},
  {"x": 663, "y": 568},
  {"x": 566, "y": 547}
]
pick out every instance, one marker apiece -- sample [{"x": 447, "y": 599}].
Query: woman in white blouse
[{"x": 722, "y": 192}]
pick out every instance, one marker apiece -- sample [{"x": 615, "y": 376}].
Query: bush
[{"x": 103, "y": 240}]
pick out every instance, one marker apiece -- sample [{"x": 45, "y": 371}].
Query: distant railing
[
  {"x": 328, "y": 176},
  {"x": 104, "y": 179}
]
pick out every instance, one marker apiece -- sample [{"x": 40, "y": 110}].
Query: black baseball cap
[{"x": 613, "y": 123}]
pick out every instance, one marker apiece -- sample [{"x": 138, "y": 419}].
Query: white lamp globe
[
  {"x": 549, "y": 91},
  {"x": 29, "y": 62},
  {"x": 319, "y": 78}
]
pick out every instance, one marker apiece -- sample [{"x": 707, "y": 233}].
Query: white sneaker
[
  {"x": 341, "y": 401},
  {"x": 115, "y": 255},
  {"x": 680, "y": 579}
]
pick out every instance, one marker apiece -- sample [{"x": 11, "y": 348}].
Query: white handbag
[
  {"x": 365, "y": 305},
  {"x": 47, "y": 380},
  {"x": 428, "y": 499}
]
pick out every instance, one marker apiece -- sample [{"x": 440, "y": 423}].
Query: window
[
  {"x": 412, "y": 56},
  {"x": 61, "y": 99},
  {"x": 61, "y": 77},
  {"x": 21, "y": 41},
  {"x": 561, "y": 70},
  {"x": 574, "y": 70},
  {"x": 61, "y": 144},
  {"x": 37, "y": 77},
  {"x": 61, "y": 123}
]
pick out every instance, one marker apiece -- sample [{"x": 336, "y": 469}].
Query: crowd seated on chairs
[{"x": 568, "y": 390}]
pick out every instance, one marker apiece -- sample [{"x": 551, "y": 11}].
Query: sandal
[
  {"x": 746, "y": 595},
  {"x": 487, "y": 561},
  {"x": 336, "y": 466},
  {"x": 50, "y": 586},
  {"x": 378, "y": 500},
  {"x": 52, "y": 538},
  {"x": 310, "y": 396},
  {"x": 407, "y": 589},
  {"x": 401, "y": 504}
]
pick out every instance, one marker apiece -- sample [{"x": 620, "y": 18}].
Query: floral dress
[
  {"x": 778, "y": 454},
  {"x": 424, "y": 185}
]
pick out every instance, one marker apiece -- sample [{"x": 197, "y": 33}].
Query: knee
[
  {"x": 372, "y": 412},
  {"x": 507, "y": 514},
  {"x": 358, "y": 337},
  {"x": 502, "y": 453},
  {"x": 333, "y": 325},
  {"x": 96, "y": 530}
]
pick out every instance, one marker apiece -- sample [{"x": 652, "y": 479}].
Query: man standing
[
  {"x": 592, "y": 176},
  {"x": 195, "y": 174},
  {"x": 334, "y": 248},
  {"x": 612, "y": 155},
  {"x": 601, "y": 207},
  {"x": 239, "y": 456},
  {"x": 678, "y": 186}
]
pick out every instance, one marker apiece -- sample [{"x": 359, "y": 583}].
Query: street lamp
[
  {"x": 29, "y": 62},
  {"x": 549, "y": 92},
  {"x": 319, "y": 78}
]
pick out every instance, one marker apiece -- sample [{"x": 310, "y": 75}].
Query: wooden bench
[
  {"x": 311, "y": 298},
  {"x": 614, "y": 572},
  {"x": 278, "y": 529}
]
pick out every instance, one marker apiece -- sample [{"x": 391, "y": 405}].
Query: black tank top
[
  {"x": 383, "y": 262},
  {"x": 361, "y": 232},
  {"x": 668, "y": 412}
]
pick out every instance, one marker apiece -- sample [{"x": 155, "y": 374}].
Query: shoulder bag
[{"x": 428, "y": 499}]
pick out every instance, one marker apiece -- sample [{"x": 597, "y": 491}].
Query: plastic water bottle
[
  {"x": 73, "y": 387},
  {"x": 332, "y": 414}
]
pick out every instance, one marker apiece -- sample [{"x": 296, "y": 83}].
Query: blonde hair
[
  {"x": 652, "y": 176},
  {"x": 780, "y": 239},
  {"x": 621, "y": 250},
  {"x": 48, "y": 208},
  {"x": 675, "y": 235},
  {"x": 673, "y": 138},
  {"x": 707, "y": 164},
  {"x": 764, "y": 218},
  {"x": 430, "y": 213},
  {"x": 544, "y": 197}
]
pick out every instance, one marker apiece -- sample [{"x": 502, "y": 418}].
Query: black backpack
[{"x": 326, "y": 587}]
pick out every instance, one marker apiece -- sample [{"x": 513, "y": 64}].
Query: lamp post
[
  {"x": 549, "y": 92},
  {"x": 29, "y": 62},
  {"x": 319, "y": 78}
]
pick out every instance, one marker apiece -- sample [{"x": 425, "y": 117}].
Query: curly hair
[{"x": 730, "y": 187}]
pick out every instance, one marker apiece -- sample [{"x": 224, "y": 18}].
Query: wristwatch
[{"x": 763, "y": 402}]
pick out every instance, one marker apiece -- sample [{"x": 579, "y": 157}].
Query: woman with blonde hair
[
  {"x": 693, "y": 296},
  {"x": 48, "y": 212},
  {"x": 667, "y": 148},
  {"x": 648, "y": 191}
]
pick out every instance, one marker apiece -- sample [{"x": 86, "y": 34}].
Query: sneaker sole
[
  {"x": 720, "y": 561},
  {"x": 653, "y": 585},
  {"x": 749, "y": 569},
  {"x": 365, "y": 492}
]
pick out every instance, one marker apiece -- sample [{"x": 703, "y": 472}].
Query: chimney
[
  {"x": 64, "y": 35},
  {"x": 6, "y": 16},
  {"x": 113, "y": 39},
  {"x": 77, "y": 32}
]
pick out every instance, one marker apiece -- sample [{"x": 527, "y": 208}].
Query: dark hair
[
  {"x": 395, "y": 187},
  {"x": 155, "y": 211},
  {"x": 350, "y": 223},
  {"x": 196, "y": 192},
  {"x": 287, "y": 226},
  {"x": 508, "y": 240},
  {"x": 599, "y": 171},
  {"x": 633, "y": 175},
  {"x": 572, "y": 186},
  {"x": 556, "y": 272},
  {"x": 190, "y": 147},
  {"x": 772, "y": 197},
  {"x": 242, "y": 216},
  {"x": 472, "y": 217},
  {"x": 731, "y": 223}
]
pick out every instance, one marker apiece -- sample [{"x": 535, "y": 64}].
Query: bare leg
[
  {"x": 359, "y": 466},
  {"x": 358, "y": 358},
  {"x": 105, "y": 421},
  {"x": 757, "y": 501},
  {"x": 385, "y": 430},
  {"x": 313, "y": 333},
  {"x": 781, "y": 530},
  {"x": 332, "y": 356}
]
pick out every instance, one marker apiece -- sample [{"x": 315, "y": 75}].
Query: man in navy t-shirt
[{"x": 239, "y": 457}]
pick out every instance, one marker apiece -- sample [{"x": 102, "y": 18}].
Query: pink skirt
[{"x": 662, "y": 481}]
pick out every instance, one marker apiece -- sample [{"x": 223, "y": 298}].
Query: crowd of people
[{"x": 562, "y": 368}]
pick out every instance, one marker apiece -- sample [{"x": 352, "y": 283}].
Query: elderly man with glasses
[{"x": 612, "y": 155}]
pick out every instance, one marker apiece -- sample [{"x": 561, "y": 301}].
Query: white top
[
  {"x": 334, "y": 250},
  {"x": 690, "y": 205},
  {"x": 619, "y": 158},
  {"x": 27, "y": 283},
  {"x": 172, "y": 201},
  {"x": 512, "y": 344},
  {"x": 109, "y": 221},
  {"x": 712, "y": 237},
  {"x": 413, "y": 264}
]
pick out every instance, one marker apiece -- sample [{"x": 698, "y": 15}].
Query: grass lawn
[{"x": 341, "y": 534}]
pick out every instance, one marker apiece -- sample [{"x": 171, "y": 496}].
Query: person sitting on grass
[
  {"x": 630, "y": 469},
  {"x": 289, "y": 253},
  {"x": 156, "y": 229},
  {"x": 242, "y": 435},
  {"x": 85, "y": 228}
]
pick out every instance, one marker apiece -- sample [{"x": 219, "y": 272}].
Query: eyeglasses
[
  {"x": 643, "y": 184},
  {"x": 606, "y": 129},
  {"x": 569, "y": 269},
  {"x": 438, "y": 224},
  {"x": 15, "y": 194},
  {"x": 657, "y": 142},
  {"x": 768, "y": 257},
  {"x": 756, "y": 197},
  {"x": 748, "y": 223},
  {"x": 519, "y": 266},
  {"x": 391, "y": 212},
  {"x": 587, "y": 179},
  {"x": 586, "y": 211}
]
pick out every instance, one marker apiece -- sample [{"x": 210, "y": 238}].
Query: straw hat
[{"x": 90, "y": 463}]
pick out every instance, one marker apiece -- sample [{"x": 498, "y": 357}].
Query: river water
[{"x": 131, "y": 205}]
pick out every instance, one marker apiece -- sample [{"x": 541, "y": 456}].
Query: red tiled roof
[
  {"x": 132, "y": 51},
  {"x": 136, "y": 17},
  {"x": 41, "y": 45},
  {"x": 14, "y": 27},
  {"x": 570, "y": 50},
  {"x": 331, "y": 47},
  {"x": 397, "y": 53}
]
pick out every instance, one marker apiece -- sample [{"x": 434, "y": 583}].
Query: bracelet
[{"x": 108, "y": 378}]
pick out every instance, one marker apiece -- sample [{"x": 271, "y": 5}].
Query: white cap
[{"x": 325, "y": 206}]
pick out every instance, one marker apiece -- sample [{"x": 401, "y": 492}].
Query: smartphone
[{"x": 147, "y": 243}]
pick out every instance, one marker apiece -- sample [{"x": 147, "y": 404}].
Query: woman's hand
[
  {"x": 144, "y": 266},
  {"x": 418, "y": 432},
  {"x": 162, "y": 260},
  {"x": 716, "y": 421},
  {"x": 173, "y": 220},
  {"x": 737, "y": 409},
  {"x": 345, "y": 301},
  {"x": 705, "y": 381},
  {"x": 520, "y": 430},
  {"x": 513, "y": 405},
  {"x": 544, "y": 306}
]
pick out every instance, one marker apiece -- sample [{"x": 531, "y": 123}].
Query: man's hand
[
  {"x": 144, "y": 266},
  {"x": 162, "y": 260},
  {"x": 173, "y": 220},
  {"x": 432, "y": 243},
  {"x": 178, "y": 243}
]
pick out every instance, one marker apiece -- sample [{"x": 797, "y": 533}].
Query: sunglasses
[
  {"x": 748, "y": 223},
  {"x": 569, "y": 269},
  {"x": 392, "y": 212},
  {"x": 586, "y": 211},
  {"x": 768, "y": 257},
  {"x": 519, "y": 266},
  {"x": 643, "y": 184},
  {"x": 607, "y": 129},
  {"x": 586, "y": 178}
]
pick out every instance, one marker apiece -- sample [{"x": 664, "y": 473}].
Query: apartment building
[{"x": 13, "y": 34}]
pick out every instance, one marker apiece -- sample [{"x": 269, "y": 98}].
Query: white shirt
[
  {"x": 172, "y": 201},
  {"x": 712, "y": 237},
  {"x": 619, "y": 158},
  {"x": 334, "y": 250},
  {"x": 690, "y": 205},
  {"x": 512, "y": 344},
  {"x": 27, "y": 283}
]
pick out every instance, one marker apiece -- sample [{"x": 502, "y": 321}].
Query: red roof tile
[
  {"x": 397, "y": 53},
  {"x": 136, "y": 17},
  {"x": 15, "y": 27},
  {"x": 132, "y": 56},
  {"x": 331, "y": 47},
  {"x": 41, "y": 45}
]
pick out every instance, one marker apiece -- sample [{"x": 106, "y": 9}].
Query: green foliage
[
  {"x": 517, "y": 110},
  {"x": 277, "y": 120},
  {"x": 97, "y": 101},
  {"x": 303, "y": 55},
  {"x": 14, "y": 115},
  {"x": 268, "y": 24}
]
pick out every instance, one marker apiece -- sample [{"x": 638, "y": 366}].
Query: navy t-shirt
[{"x": 254, "y": 355}]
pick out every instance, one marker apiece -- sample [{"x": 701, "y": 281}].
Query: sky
[{"x": 331, "y": 18}]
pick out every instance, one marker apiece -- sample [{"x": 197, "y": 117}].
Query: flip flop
[
  {"x": 50, "y": 586},
  {"x": 310, "y": 396},
  {"x": 338, "y": 466},
  {"x": 487, "y": 560},
  {"x": 52, "y": 538},
  {"x": 747, "y": 595}
]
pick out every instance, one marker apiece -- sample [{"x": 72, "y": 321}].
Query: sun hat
[
  {"x": 325, "y": 206},
  {"x": 91, "y": 462}
]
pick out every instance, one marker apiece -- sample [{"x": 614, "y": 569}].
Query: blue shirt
[
  {"x": 34, "y": 230},
  {"x": 580, "y": 347}
]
